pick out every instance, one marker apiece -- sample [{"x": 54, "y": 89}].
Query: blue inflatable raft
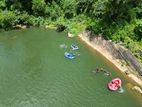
[{"x": 69, "y": 55}]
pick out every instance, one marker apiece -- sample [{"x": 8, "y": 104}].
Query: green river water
[{"x": 35, "y": 73}]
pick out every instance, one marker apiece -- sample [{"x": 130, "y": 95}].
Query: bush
[
  {"x": 138, "y": 31},
  {"x": 36, "y": 21},
  {"x": 7, "y": 19},
  {"x": 23, "y": 18}
]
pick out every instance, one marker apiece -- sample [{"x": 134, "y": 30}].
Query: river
[{"x": 35, "y": 73}]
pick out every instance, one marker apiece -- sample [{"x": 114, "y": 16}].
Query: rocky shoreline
[
  {"x": 20, "y": 26},
  {"x": 115, "y": 53}
]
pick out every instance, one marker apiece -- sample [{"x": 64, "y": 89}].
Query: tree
[
  {"x": 69, "y": 8},
  {"x": 26, "y": 5},
  {"x": 2, "y": 5},
  {"x": 85, "y": 7},
  {"x": 38, "y": 7}
]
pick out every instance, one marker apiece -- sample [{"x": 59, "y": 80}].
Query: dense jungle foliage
[{"x": 118, "y": 20}]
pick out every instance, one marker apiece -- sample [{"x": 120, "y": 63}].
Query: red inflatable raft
[{"x": 115, "y": 84}]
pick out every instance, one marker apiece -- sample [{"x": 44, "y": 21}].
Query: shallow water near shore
[{"x": 35, "y": 73}]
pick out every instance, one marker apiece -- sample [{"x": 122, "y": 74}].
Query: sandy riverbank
[{"x": 108, "y": 55}]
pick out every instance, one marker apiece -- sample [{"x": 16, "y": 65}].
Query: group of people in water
[
  {"x": 97, "y": 70},
  {"x": 107, "y": 73}
]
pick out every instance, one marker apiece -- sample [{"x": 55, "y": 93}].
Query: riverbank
[{"x": 107, "y": 54}]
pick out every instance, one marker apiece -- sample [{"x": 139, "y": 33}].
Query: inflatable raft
[
  {"x": 115, "y": 84},
  {"x": 74, "y": 47},
  {"x": 69, "y": 55}
]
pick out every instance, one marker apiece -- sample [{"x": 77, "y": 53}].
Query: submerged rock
[
  {"x": 20, "y": 27},
  {"x": 70, "y": 35},
  {"x": 138, "y": 89},
  {"x": 60, "y": 28}
]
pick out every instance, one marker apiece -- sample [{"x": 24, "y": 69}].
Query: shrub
[
  {"x": 138, "y": 31},
  {"x": 7, "y": 19}
]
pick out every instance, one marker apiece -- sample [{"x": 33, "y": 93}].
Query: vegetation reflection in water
[{"x": 35, "y": 73}]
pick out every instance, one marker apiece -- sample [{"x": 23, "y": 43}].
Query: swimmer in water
[
  {"x": 97, "y": 69},
  {"x": 107, "y": 73}
]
